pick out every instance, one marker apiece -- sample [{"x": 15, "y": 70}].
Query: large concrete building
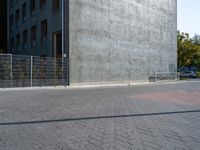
[
  {"x": 3, "y": 26},
  {"x": 104, "y": 40}
]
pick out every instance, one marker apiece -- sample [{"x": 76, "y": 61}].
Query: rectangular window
[
  {"x": 24, "y": 12},
  {"x": 25, "y": 39},
  {"x": 57, "y": 44},
  {"x": 12, "y": 3},
  {"x": 55, "y": 5},
  {"x": 11, "y": 22},
  {"x": 18, "y": 41},
  {"x": 17, "y": 17},
  {"x": 42, "y": 3},
  {"x": 32, "y": 7},
  {"x": 12, "y": 44},
  {"x": 33, "y": 36},
  {"x": 44, "y": 31}
]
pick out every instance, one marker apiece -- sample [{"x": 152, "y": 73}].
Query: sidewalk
[{"x": 91, "y": 86}]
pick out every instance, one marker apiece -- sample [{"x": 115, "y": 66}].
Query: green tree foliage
[
  {"x": 188, "y": 50},
  {"x": 196, "y": 39},
  {"x": 196, "y": 42}
]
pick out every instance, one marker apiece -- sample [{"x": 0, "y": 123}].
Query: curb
[{"x": 131, "y": 84}]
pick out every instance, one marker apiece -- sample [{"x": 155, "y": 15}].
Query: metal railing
[
  {"x": 30, "y": 71},
  {"x": 164, "y": 76}
]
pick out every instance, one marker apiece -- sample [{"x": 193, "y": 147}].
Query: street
[{"x": 146, "y": 117}]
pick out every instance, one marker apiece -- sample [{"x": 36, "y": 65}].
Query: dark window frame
[
  {"x": 11, "y": 21},
  {"x": 43, "y": 4},
  {"x": 24, "y": 12},
  {"x": 12, "y": 44},
  {"x": 17, "y": 17},
  {"x": 32, "y": 7},
  {"x": 33, "y": 36},
  {"x": 55, "y": 5},
  {"x": 44, "y": 31},
  {"x": 25, "y": 39},
  {"x": 18, "y": 40}
]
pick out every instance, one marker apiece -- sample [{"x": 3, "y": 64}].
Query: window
[
  {"x": 55, "y": 5},
  {"x": 33, "y": 36},
  {"x": 18, "y": 41},
  {"x": 57, "y": 44},
  {"x": 17, "y": 17},
  {"x": 25, "y": 39},
  {"x": 12, "y": 44},
  {"x": 12, "y": 3},
  {"x": 32, "y": 7},
  {"x": 11, "y": 22},
  {"x": 44, "y": 31},
  {"x": 42, "y": 3},
  {"x": 24, "y": 12}
]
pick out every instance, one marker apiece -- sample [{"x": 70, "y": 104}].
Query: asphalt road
[{"x": 148, "y": 117}]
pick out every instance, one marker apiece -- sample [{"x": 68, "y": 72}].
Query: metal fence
[
  {"x": 164, "y": 76},
  {"x": 30, "y": 71}
]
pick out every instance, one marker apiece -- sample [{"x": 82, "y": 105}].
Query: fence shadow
[{"x": 96, "y": 118}]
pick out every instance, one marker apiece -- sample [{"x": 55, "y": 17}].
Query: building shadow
[{"x": 96, "y": 118}]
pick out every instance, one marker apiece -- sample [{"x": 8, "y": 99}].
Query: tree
[
  {"x": 196, "y": 39},
  {"x": 196, "y": 58},
  {"x": 188, "y": 50}
]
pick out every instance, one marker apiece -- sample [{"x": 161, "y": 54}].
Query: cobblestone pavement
[{"x": 153, "y": 117}]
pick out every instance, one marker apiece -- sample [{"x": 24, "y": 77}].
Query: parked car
[{"x": 188, "y": 74}]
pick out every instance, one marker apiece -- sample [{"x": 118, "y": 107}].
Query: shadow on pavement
[{"x": 95, "y": 118}]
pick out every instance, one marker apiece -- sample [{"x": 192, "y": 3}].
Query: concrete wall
[{"x": 114, "y": 40}]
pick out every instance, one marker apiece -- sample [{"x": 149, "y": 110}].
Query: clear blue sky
[{"x": 189, "y": 16}]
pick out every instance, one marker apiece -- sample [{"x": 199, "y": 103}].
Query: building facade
[
  {"x": 104, "y": 41},
  {"x": 35, "y": 27},
  {"x": 121, "y": 40},
  {"x": 3, "y": 26}
]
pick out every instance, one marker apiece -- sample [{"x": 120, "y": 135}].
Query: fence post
[
  {"x": 31, "y": 71},
  {"x": 63, "y": 57},
  {"x": 178, "y": 76},
  {"x": 155, "y": 76},
  {"x": 11, "y": 67}
]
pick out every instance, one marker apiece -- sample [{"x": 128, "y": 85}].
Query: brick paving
[{"x": 153, "y": 117}]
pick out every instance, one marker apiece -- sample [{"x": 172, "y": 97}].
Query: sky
[{"x": 189, "y": 16}]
